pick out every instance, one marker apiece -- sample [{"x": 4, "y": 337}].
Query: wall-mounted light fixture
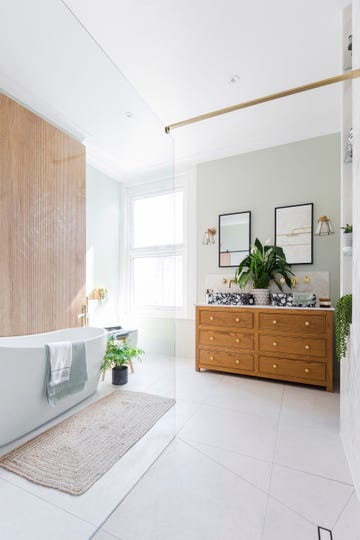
[
  {"x": 208, "y": 238},
  {"x": 324, "y": 226}
]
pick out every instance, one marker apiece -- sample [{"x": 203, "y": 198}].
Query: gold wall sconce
[
  {"x": 209, "y": 237},
  {"x": 324, "y": 226}
]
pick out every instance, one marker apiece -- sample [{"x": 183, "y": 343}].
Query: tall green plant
[
  {"x": 263, "y": 265},
  {"x": 343, "y": 321},
  {"x": 118, "y": 354}
]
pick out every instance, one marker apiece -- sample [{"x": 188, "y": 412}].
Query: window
[{"x": 157, "y": 251}]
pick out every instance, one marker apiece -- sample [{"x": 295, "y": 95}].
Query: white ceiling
[{"x": 78, "y": 63}]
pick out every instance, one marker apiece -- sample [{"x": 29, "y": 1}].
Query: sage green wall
[
  {"x": 295, "y": 173},
  {"x": 103, "y": 243}
]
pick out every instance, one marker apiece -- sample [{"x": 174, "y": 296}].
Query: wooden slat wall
[{"x": 42, "y": 224}]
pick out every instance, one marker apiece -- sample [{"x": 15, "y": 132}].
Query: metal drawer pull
[
  {"x": 211, "y": 318},
  {"x": 211, "y": 358},
  {"x": 274, "y": 321},
  {"x": 307, "y": 323},
  {"x": 274, "y": 366},
  {"x": 237, "y": 340},
  {"x": 274, "y": 343},
  {"x": 237, "y": 319},
  {"x": 237, "y": 361},
  {"x": 307, "y": 347},
  {"x": 307, "y": 370},
  {"x": 211, "y": 338}
]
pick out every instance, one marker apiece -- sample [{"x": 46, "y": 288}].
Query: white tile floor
[{"x": 252, "y": 460}]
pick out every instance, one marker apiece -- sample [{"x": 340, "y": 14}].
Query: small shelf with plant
[
  {"x": 343, "y": 321},
  {"x": 347, "y": 242},
  {"x": 118, "y": 356}
]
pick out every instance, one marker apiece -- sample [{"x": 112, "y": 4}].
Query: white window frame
[{"x": 141, "y": 191}]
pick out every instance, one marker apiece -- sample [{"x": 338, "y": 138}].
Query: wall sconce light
[
  {"x": 324, "y": 226},
  {"x": 208, "y": 237}
]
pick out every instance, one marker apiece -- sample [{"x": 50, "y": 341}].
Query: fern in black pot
[{"x": 118, "y": 356}]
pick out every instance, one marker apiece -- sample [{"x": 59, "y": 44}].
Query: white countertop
[{"x": 281, "y": 308}]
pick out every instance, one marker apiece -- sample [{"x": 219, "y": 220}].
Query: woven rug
[{"x": 72, "y": 455}]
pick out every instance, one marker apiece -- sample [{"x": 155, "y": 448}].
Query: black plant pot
[{"x": 120, "y": 375}]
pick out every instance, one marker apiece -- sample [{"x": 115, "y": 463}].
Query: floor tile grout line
[
  {"x": 189, "y": 440},
  {"x": 224, "y": 467},
  {"x": 343, "y": 510},
  {"x": 263, "y": 491},
  {"x": 46, "y": 500},
  {"x": 186, "y": 421},
  {"x": 314, "y": 474},
  {"x": 111, "y": 535},
  {"x": 272, "y": 465},
  {"x": 230, "y": 409},
  {"x": 152, "y": 464}
]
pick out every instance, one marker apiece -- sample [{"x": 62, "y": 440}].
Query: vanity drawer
[
  {"x": 234, "y": 340},
  {"x": 281, "y": 322},
  {"x": 228, "y": 317},
  {"x": 221, "y": 359},
  {"x": 293, "y": 345},
  {"x": 299, "y": 369}
]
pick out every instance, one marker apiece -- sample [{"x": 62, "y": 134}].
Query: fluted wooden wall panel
[{"x": 42, "y": 224}]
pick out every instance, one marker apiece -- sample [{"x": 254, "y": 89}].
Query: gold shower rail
[{"x": 297, "y": 90}]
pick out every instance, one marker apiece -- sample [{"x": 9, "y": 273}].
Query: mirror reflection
[{"x": 234, "y": 238}]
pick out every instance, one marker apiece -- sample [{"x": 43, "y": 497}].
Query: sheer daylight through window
[{"x": 157, "y": 251}]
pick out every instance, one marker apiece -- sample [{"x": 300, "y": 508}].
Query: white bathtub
[{"x": 23, "y": 403}]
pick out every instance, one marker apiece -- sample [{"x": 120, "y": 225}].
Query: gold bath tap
[
  {"x": 84, "y": 313},
  {"x": 231, "y": 281}
]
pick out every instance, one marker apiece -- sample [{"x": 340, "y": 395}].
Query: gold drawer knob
[
  {"x": 237, "y": 319},
  {"x": 307, "y": 323},
  {"x": 307, "y": 347},
  {"x": 211, "y": 358},
  {"x": 237, "y": 361},
  {"x": 307, "y": 370},
  {"x": 274, "y": 321},
  {"x": 211, "y": 338},
  {"x": 211, "y": 318},
  {"x": 237, "y": 340},
  {"x": 274, "y": 366},
  {"x": 275, "y": 343}
]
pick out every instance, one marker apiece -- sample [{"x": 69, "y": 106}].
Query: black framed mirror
[
  {"x": 234, "y": 238},
  {"x": 294, "y": 232}
]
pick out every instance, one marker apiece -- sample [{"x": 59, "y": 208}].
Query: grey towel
[{"x": 78, "y": 374}]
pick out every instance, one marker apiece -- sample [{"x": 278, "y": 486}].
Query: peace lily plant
[{"x": 264, "y": 264}]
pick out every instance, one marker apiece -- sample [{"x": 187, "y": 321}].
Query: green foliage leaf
[
  {"x": 119, "y": 353},
  {"x": 343, "y": 321},
  {"x": 262, "y": 266}
]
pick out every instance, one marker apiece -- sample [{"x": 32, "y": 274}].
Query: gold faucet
[
  {"x": 231, "y": 281},
  {"x": 84, "y": 313}
]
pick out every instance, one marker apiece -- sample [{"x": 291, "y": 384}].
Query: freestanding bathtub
[{"x": 23, "y": 403}]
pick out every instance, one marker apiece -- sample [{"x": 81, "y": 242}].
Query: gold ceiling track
[{"x": 297, "y": 90}]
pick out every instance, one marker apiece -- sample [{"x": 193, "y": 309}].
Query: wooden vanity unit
[{"x": 289, "y": 344}]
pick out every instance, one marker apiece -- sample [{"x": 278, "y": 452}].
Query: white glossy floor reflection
[{"x": 252, "y": 460}]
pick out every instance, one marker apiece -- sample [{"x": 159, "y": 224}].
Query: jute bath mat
[{"x": 72, "y": 455}]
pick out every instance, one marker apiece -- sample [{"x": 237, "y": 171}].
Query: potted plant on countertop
[
  {"x": 118, "y": 356},
  {"x": 264, "y": 265},
  {"x": 343, "y": 320},
  {"x": 348, "y": 229}
]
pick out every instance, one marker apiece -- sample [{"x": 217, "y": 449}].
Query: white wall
[
  {"x": 103, "y": 244},
  {"x": 301, "y": 172},
  {"x": 350, "y": 366}
]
